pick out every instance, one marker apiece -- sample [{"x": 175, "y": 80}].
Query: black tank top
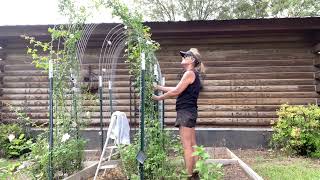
[{"x": 189, "y": 97}]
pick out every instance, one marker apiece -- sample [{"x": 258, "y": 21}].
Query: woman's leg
[
  {"x": 194, "y": 143},
  {"x": 187, "y": 135}
]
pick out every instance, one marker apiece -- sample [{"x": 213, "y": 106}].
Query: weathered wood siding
[{"x": 251, "y": 70}]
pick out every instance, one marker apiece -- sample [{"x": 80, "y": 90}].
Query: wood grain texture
[{"x": 251, "y": 69}]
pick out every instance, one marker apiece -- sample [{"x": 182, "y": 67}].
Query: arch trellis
[
  {"x": 113, "y": 45},
  {"x": 114, "y": 42}
]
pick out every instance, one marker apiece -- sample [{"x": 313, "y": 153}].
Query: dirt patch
[
  {"x": 217, "y": 153},
  {"x": 234, "y": 171},
  {"x": 111, "y": 174},
  {"x": 231, "y": 172}
]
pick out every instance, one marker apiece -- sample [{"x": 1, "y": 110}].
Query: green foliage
[
  {"x": 69, "y": 116},
  {"x": 158, "y": 163},
  {"x": 13, "y": 142},
  {"x": 67, "y": 155},
  {"x": 8, "y": 168},
  {"x": 158, "y": 143},
  {"x": 18, "y": 146},
  {"x": 207, "y": 171},
  {"x": 168, "y": 10},
  {"x": 297, "y": 130},
  {"x": 243, "y": 9},
  {"x": 294, "y": 8}
]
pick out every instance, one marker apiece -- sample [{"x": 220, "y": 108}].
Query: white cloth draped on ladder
[{"x": 120, "y": 129}]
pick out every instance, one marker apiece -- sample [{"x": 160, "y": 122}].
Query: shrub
[
  {"x": 13, "y": 142},
  {"x": 297, "y": 130},
  {"x": 67, "y": 157}
]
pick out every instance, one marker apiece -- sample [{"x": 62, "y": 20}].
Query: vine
[
  {"x": 68, "y": 101},
  {"x": 69, "y": 114},
  {"x": 159, "y": 144}
]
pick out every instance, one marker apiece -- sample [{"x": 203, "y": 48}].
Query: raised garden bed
[{"x": 233, "y": 167}]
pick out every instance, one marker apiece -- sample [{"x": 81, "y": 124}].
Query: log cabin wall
[{"x": 252, "y": 67}]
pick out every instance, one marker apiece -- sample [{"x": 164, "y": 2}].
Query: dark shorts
[{"x": 186, "y": 118}]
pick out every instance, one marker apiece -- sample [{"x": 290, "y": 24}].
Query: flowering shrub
[
  {"x": 297, "y": 130},
  {"x": 67, "y": 156},
  {"x": 13, "y": 142}
]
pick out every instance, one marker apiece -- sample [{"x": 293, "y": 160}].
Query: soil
[
  {"x": 231, "y": 172},
  {"x": 217, "y": 153},
  {"x": 111, "y": 174},
  {"x": 234, "y": 171}
]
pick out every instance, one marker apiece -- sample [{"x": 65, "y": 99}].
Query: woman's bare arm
[
  {"x": 164, "y": 88},
  {"x": 188, "y": 78}
]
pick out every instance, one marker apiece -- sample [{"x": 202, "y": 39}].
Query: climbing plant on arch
[
  {"x": 156, "y": 144},
  {"x": 65, "y": 157}
]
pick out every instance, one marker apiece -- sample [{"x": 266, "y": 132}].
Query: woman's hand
[
  {"x": 156, "y": 98},
  {"x": 155, "y": 86}
]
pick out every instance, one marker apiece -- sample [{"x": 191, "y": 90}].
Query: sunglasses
[{"x": 187, "y": 55}]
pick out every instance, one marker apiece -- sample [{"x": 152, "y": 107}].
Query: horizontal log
[
  {"x": 216, "y": 76},
  {"x": 69, "y": 102},
  {"x": 259, "y": 95},
  {"x": 19, "y": 89},
  {"x": 216, "y": 121},
  {"x": 282, "y": 88},
  {"x": 44, "y": 79},
  {"x": 252, "y": 101},
  {"x": 212, "y": 65},
  {"x": 170, "y": 121},
  {"x": 203, "y": 95},
  {"x": 235, "y": 46},
  {"x": 93, "y": 62},
  {"x": 248, "y": 63},
  {"x": 218, "y": 101},
  {"x": 271, "y": 47},
  {"x": 212, "y": 70},
  {"x": 236, "y": 56},
  {"x": 40, "y": 88},
  {"x": 250, "y": 82},
  {"x": 206, "y": 82},
  {"x": 216, "y": 114},
  {"x": 213, "y": 41},
  {"x": 236, "y": 76},
  {"x": 168, "y": 108}
]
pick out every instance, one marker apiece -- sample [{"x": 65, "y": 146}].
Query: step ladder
[{"x": 118, "y": 126}]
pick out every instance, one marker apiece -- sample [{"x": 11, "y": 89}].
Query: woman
[{"x": 187, "y": 91}]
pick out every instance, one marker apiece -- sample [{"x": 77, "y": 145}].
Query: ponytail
[
  {"x": 200, "y": 67},
  {"x": 202, "y": 74}
]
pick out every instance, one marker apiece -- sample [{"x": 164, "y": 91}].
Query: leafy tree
[
  {"x": 295, "y": 8},
  {"x": 170, "y": 10}
]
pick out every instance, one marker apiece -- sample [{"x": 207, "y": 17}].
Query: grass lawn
[{"x": 274, "y": 166}]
